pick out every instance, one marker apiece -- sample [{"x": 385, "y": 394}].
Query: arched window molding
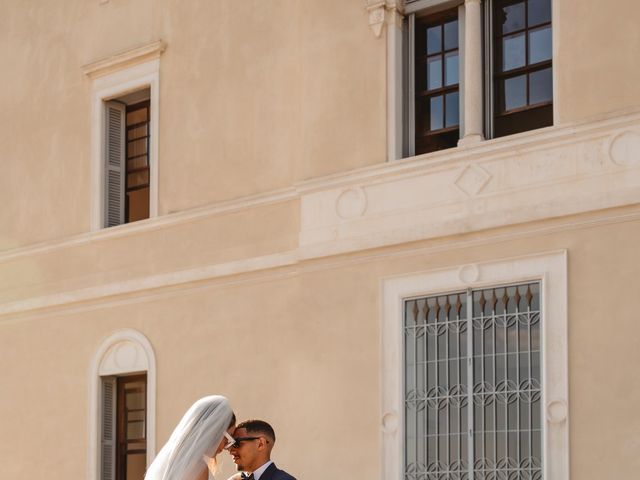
[{"x": 124, "y": 352}]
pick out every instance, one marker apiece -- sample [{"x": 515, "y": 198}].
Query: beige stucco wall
[
  {"x": 117, "y": 256},
  {"x": 300, "y": 347},
  {"x": 254, "y": 97},
  {"x": 596, "y": 67},
  {"x": 258, "y": 97}
]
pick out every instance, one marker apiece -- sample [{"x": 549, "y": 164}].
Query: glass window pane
[
  {"x": 138, "y": 132},
  {"x": 539, "y": 45},
  {"x": 436, "y": 113},
  {"x": 137, "y": 162},
  {"x": 451, "y": 68},
  {"x": 539, "y": 12},
  {"x": 451, "y": 35},
  {"x": 434, "y": 72},
  {"x": 137, "y": 179},
  {"x": 452, "y": 114},
  {"x": 135, "y": 399},
  {"x": 515, "y": 92},
  {"x": 540, "y": 86},
  {"x": 137, "y": 116},
  {"x": 434, "y": 39},
  {"x": 136, "y": 465},
  {"x": 135, "y": 415},
  {"x": 511, "y": 17},
  {"x": 513, "y": 52},
  {"x": 137, "y": 147},
  {"x": 135, "y": 430}
]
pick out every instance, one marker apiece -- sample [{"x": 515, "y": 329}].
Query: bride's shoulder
[{"x": 236, "y": 476}]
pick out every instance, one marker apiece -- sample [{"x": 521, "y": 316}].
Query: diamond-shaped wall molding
[{"x": 471, "y": 180}]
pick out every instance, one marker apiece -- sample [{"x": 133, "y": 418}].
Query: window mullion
[{"x": 470, "y": 382}]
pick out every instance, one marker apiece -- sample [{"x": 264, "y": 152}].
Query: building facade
[{"x": 403, "y": 232}]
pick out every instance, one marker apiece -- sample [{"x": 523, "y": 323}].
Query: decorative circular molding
[
  {"x": 351, "y": 203},
  {"x": 557, "y": 411},
  {"x": 125, "y": 355},
  {"x": 624, "y": 149},
  {"x": 125, "y": 351},
  {"x": 469, "y": 273},
  {"x": 390, "y": 422}
]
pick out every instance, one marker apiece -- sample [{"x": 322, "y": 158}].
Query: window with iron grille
[{"x": 472, "y": 386}]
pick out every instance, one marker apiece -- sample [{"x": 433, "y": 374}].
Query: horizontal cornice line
[
  {"x": 271, "y": 267},
  {"x": 532, "y": 141},
  {"x": 149, "y": 225},
  {"x": 537, "y": 141},
  {"x": 151, "y": 282}
]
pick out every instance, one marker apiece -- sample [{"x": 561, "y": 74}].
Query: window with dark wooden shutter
[
  {"x": 114, "y": 163},
  {"x": 108, "y": 427},
  {"x": 127, "y": 149}
]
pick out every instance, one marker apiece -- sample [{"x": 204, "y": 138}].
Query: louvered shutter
[
  {"x": 108, "y": 430},
  {"x": 115, "y": 163}
]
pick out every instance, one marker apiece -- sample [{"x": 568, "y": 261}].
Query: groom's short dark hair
[{"x": 259, "y": 426}]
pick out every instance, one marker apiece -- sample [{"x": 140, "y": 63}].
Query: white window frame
[
  {"x": 122, "y": 353},
  {"x": 124, "y": 80},
  {"x": 550, "y": 269}
]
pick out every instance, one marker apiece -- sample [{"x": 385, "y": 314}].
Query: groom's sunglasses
[
  {"x": 230, "y": 440},
  {"x": 235, "y": 442}
]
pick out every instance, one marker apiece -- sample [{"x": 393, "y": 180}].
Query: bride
[{"x": 203, "y": 432}]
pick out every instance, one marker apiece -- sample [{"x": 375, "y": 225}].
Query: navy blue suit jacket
[
  {"x": 271, "y": 473},
  {"x": 274, "y": 473}
]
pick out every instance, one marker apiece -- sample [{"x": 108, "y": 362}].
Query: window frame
[
  {"x": 129, "y": 189},
  {"x": 107, "y": 87},
  {"x": 121, "y": 447},
  {"x": 491, "y": 100},
  {"x": 407, "y": 66},
  {"x": 125, "y": 352},
  {"x": 422, "y": 96},
  {"x": 462, "y": 377},
  {"x": 400, "y": 44},
  {"x": 550, "y": 269}
]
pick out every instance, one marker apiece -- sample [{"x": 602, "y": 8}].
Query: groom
[{"x": 251, "y": 452}]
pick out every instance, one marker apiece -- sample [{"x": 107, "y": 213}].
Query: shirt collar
[{"x": 259, "y": 471}]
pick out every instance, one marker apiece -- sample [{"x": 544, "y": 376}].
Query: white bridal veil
[{"x": 199, "y": 433}]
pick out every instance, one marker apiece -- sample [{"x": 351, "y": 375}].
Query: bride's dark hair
[{"x": 197, "y": 435}]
